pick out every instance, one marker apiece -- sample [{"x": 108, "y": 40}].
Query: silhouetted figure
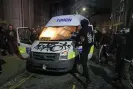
[
  {"x": 12, "y": 40},
  {"x": 124, "y": 56},
  {"x": 85, "y": 36},
  {"x": 34, "y": 36},
  {"x": 3, "y": 45}
]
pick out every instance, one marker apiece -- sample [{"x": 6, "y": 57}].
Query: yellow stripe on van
[
  {"x": 71, "y": 55},
  {"x": 91, "y": 50},
  {"x": 22, "y": 50}
]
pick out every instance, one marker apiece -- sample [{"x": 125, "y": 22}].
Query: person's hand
[
  {"x": 82, "y": 39},
  {"x": 78, "y": 44}
]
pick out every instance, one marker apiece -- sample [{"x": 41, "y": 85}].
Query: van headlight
[{"x": 63, "y": 55}]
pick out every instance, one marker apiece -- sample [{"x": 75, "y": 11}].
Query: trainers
[
  {"x": 87, "y": 83},
  {"x": 117, "y": 84}
]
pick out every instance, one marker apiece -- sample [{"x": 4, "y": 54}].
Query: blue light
[
  {"x": 28, "y": 50},
  {"x": 80, "y": 50}
]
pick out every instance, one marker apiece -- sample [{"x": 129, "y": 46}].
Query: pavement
[{"x": 11, "y": 66}]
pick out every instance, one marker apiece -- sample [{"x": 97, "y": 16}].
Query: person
[
  {"x": 1, "y": 70},
  {"x": 1, "y": 46},
  {"x": 104, "y": 42},
  {"x": 2, "y": 41},
  {"x": 12, "y": 40},
  {"x": 85, "y": 36},
  {"x": 34, "y": 36},
  {"x": 126, "y": 60},
  {"x": 118, "y": 43},
  {"x": 125, "y": 57}
]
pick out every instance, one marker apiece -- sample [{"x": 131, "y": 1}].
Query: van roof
[{"x": 65, "y": 20}]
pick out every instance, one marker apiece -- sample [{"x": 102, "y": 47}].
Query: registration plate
[
  {"x": 45, "y": 38},
  {"x": 44, "y": 66}
]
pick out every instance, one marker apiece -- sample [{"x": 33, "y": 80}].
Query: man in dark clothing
[
  {"x": 104, "y": 42},
  {"x": 12, "y": 40},
  {"x": 34, "y": 36},
  {"x": 118, "y": 43},
  {"x": 85, "y": 36},
  {"x": 124, "y": 55},
  {"x": 126, "y": 60},
  {"x": 98, "y": 37},
  {"x": 3, "y": 45}
]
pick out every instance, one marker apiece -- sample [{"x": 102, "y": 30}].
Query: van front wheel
[{"x": 29, "y": 68}]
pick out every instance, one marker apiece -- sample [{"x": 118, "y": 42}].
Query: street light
[{"x": 84, "y": 9}]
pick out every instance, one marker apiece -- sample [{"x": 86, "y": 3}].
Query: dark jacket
[
  {"x": 105, "y": 39},
  {"x": 11, "y": 35},
  {"x": 98, "y": 36},
  {"x": 2, "y": 39},
  {"x": 33, "y": 37},
  {"x": 128, "y": 48},
  {"x": 86, "y": 33}
]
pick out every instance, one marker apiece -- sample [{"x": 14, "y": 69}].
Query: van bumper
[{"x": 52, "y": 66}]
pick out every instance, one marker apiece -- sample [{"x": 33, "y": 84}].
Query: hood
[{"x": 84, "y": 23}]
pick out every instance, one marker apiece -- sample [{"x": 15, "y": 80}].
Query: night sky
[
  {"x": 101, "y": 6},
  {"x": 98, "y": 6}
]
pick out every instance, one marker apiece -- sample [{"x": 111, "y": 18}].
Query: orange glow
[
  {"x": 58, "y": 33},
  {"x": 49, "y": 32}
]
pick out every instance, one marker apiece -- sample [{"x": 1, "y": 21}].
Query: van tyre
[
  {"x": 29, "y": 68},
  {"x": 74, "y": 69}
]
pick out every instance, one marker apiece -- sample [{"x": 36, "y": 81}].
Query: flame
[
  {"x": 49, "y": 32},
  {"x": 57, "y": 33}
]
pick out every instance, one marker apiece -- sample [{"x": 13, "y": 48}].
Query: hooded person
[
  {"x": 85, "y": 37},
  {"x": 126, "y": 59},
  {"x": 12, "y": 41}
]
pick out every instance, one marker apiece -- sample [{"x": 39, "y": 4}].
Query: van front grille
[{"x": 46, "y": 56}]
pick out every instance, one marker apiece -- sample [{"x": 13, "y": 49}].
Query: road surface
[{"x": 43, "y": 80}]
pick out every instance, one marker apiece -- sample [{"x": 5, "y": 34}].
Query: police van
[{"x": 55, "y": 51}]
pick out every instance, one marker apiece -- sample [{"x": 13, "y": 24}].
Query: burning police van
[{"x": 54, "y": 51}]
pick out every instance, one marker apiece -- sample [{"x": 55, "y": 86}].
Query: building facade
[
  {"x": 19, "y": 12},
  {"x": 24, "y": 13},
  {"x": 41, "y": 12},
  {"x": 122, "y": 12}
]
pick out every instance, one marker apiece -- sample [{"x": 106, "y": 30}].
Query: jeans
[{"x": 84, "y": 61}]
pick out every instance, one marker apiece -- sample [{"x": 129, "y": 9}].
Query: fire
[
  {"x": 49, "y": 32},
  {"x": 57, "y": 33}
]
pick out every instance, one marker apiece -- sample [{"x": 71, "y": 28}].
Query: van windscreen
[{"x": 57, "y": 33}]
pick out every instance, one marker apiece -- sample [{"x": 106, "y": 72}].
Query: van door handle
[{"x": 18, "y": 44}]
